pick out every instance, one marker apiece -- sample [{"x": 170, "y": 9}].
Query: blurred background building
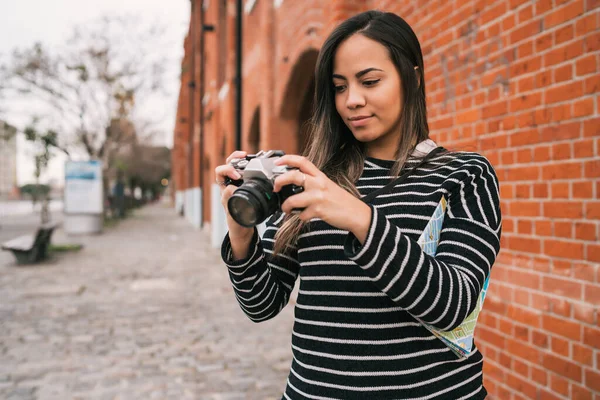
[
  {"x": 516, "y": 80},
  {"x": 8, "y": 160}
]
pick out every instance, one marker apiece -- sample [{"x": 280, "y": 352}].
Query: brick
[
  {"x": 586, "y": 65},
  {"x": 523, "y": 315},
  {"x": 522, "y": 350},
  {"x": 541, "y": 153},
  {"x": 592, "y": 168},
  {"x": 521, "y": 368},
  {"x": 592, "y": 210},
  {"x": 541, "y": 302},
  {"x": 580, "y": 392},
  {"x": 563, "y": 73},
  {"x": 584, "y": 313},
  {"x": 561, "y": 131},
  {"x": 592, "y": 42},
  {"x": 585, "y": 231},
  {"x": 586, "y": 24},
  {"x": 545, "y": 395},
  {"x": 526, "y": 119},
  {"x": 591, "y": 127},
  {"x": 525, "y": 14},
  {"x": 561, "y": 151},
  {"x": 583, "y": 354},
  {"x": 524, "y": 156},
  {"x": 565, "y": 170},
  {"x": 494, "y": 110},
  {"x": 592, "y": 84},
  {"x": 529, "y": 65},
  {"x": 560, "y": 113},
  {"x": 561, "y": 347},
  {"x": 490, "y": 336},
  {"x": 564, "y": 14},
  {"x": 564, "y": 92},
  {"x": 523, "y": 192},
  {"x": 507, "y": 157},
  {"x": 526, "y": 101},
  {"x": 562, "y": 287},
  {"x": 564, "y": 53},
  {"x": 560, "y": 307},
  {"x": 493, "y": 142},
  {"x": 591, "y": 337},
  {"x": 583, "y": 148},
  {"x": 592, "y": 379},
  {"x": 528, "y": 245},
  {"x": 563, "y": 249},
  {"x": 493, "y": 371},
  {"x": 564, "y": 34},
  {"x": 543, "y": 78},
  {"x": 525, "y": 208},
  {"x": 543, "y": 228},
  {"x": 593, "y": 253},
  {"x": 539, "y": 376},
  {"x": 559, "y": 385},
  {"x": 561, "y": 267},
  {"x": 560, "y": 190},
  {"x": 525, "y": 31},
  {"x": 523, "y": 51},
  {"x": 563, "y": 229},
  {"x": 592, "y": 293},
  {"x": 540, "y": 339},
  {"x": 521, "y": 298},
  {"x": 562, "y": 367},
  {"x": 584, "y": 271},
  {"x": 525, "y": 227},
  {"x": 493, "y": 13},
  {"x": 526, "y": 137},
  {"x": 542, "y": 116},
  {"x": 523, "y": 173},
  {"x": 521, "y": 385},
  {"x": 468, "y": 116},
  {"x": 540, "y": 190},
  {"x": 507, "y": 225},
  {"x": 583, "y": 107}
]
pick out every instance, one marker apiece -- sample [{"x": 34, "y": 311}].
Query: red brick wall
[{"x": 515, "y": 80}]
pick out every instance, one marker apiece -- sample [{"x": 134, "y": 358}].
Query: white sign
[{"x": 83, "y": 187}]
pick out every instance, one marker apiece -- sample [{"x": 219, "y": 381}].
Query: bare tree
[{"x": 95, "y": 88}]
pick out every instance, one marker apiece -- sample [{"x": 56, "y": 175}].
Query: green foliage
[
  {"x": 44, "y": 143},
  {"x": 56, "y": 248},
  {"x": 35, "y": 190}
]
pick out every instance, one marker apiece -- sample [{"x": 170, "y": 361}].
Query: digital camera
[{"x": 254, "y": 200}]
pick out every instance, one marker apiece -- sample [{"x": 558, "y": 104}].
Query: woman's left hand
[{"x": 322, "y": 198}]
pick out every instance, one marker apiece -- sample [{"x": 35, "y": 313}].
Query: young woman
[{"x": 366, "y": 286}]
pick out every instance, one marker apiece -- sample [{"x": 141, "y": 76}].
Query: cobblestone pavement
[{"x": 144, "y": 311}]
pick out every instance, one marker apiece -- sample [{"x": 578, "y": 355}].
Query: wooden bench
[{"x": 29, "y": 249}]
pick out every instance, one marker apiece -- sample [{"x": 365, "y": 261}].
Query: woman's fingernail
[{"x": 237, "y": 175}]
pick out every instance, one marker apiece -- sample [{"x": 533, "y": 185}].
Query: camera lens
[{"x": 252, "y": 203}]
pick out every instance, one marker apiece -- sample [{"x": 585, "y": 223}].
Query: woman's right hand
[{"x": 236, "y": 231}]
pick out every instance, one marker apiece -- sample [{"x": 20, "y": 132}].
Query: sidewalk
[{"x": 144, "y": 311}]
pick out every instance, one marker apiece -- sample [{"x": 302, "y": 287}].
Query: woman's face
[{"x": 368, "y": 94}]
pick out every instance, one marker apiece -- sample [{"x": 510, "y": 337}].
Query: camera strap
[{"x": 402, "y": 177}]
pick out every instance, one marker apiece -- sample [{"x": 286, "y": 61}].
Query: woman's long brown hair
[{"x": 332, "y": 147}]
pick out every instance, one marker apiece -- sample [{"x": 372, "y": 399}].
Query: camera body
[{"x": 254, "y": 200}]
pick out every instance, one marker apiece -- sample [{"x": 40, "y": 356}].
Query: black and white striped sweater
[{"x": 355, "y": 335}]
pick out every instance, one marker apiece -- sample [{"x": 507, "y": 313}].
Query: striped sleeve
[
  {"x": 442, "y": 290},
  {"x": 262, "y": 283}
]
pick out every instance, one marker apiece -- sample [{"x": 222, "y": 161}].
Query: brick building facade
[{"x": 516, "y": 80}]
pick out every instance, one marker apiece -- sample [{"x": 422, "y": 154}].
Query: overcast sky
[{"x": 23, "y": 22}]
